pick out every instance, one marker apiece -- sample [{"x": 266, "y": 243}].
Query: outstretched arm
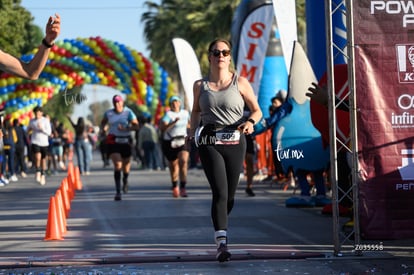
[
  {"x": 32, "y": 69},
  {"x": 280, "y": 113}
]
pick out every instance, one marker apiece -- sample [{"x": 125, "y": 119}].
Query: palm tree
[{"x": 198, "y": 22}]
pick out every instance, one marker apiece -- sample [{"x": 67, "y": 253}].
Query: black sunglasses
[{"x": 216, "y": 53}]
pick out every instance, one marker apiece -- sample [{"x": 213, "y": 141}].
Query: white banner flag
[
  {"x": 285, "y": 11},
  {"x": 254, "y": 38},
  {"x": 188, "y": 66}
]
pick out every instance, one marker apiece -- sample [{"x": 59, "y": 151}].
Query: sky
[{"x": 119, "y": 21}]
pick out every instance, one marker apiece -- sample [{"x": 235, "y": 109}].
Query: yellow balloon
[
  {"x": 26, "y": 120},
  {"x": 141, "y": 66},
  {"x": 104, "y": 81},
  {"x": 19, "y": 80},
  {"x": 133, "y": 97},
  {"x": 100, "y": 75},
  {"x": 64, "y": 77},
  {"x": 14, "y": 115},
  {"x": 142, "y": 88},
  {"x": 11, "y": 80}
]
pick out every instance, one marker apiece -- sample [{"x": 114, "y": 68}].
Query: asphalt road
[{"x": 150, "y": 232}]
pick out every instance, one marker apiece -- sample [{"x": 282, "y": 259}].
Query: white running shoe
[
  {"x": 62, "y": 165},
  {"x": 43, "y": 180},
  {"x": 13, "y": 178},
  {"x": 38, "y": 177},
  {"x": 4, "y": 180}
]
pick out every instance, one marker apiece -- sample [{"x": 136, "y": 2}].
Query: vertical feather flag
[{"x": 188, "y": 66}]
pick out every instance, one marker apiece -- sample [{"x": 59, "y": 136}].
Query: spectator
[
  {"x": 103, "y": 147},
  {"x": 20, "y": 145},
  {"x": 147, "y": 143},
  {"x": 82, "y": 145},
  {"x": 3, "y": 180},
  {"x": 57, "y": 146},
  {"x": 9, "y": 140},
  {"x": 68, "y": 140}
]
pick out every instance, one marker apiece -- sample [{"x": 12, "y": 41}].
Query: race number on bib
[
  {"x": 228, "y": 137},
  {"x": 177, "y": 142},
  {"x": 122, "y": 140}
]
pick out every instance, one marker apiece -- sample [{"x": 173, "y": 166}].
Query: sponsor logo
[
  {"x": 404, "y": 118},
  {"x": 404, "y": 186},
  {"x": 405, "y": 62},
  {"x": 404, "y": 8},
  {"x": 406, "y": 169}
]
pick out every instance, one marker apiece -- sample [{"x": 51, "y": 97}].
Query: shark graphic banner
[{"x": 384, "y": 74}]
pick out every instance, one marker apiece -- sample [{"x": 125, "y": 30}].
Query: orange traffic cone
[
  {"x": 61, "y": 211},
  {"x": 69, "y": 187},
  {"x": 65, "y": 197},
  {"x": 71, "y": 168},
  {"x": 71, "y": 175},
  {"x": 70, "y": 156},
  {"x": 53, "y": 227},
  {"x": 78, "y": 181}
]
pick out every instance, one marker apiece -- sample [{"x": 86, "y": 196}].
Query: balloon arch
[{"x": 81, "y": 61}]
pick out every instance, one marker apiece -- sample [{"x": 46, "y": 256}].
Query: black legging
[{"x": 222, "y": 165}]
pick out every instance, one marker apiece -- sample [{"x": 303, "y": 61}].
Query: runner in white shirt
[
  {"x": 174, "y": 126},
  {"x": 40, "y": 129}
]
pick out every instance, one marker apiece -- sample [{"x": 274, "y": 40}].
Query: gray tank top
[{"x": 224, "y": 107}]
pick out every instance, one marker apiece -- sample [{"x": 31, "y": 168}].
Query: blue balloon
[{"x": 149, "y": 96}]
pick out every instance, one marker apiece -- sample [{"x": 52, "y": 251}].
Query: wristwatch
[
  {"x": 47, "y": 45},
  {"x": 251, "y": 120}
]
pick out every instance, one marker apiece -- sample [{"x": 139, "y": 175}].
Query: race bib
[
  {"x": 177, "y": 142},
  {"x": 122, "y": 140},
  {"x": 228, "y": 137}
]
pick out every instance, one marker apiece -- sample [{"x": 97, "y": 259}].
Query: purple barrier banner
[{"x": 384, "y": 74}]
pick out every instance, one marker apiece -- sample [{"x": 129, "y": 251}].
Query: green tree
[
  {"x": 18, "y": 34},
  {"x": 197, "y": 21},
  {"x": 301, "y": 21},
  {"x": 63, "y": 103},
  {"x": 97, "y": 111}
]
